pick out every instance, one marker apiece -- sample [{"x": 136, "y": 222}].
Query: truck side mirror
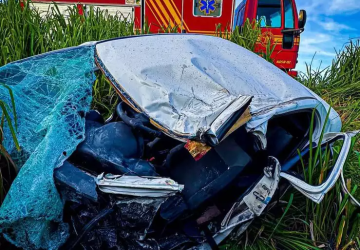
[{"x": 302, "y": 19}]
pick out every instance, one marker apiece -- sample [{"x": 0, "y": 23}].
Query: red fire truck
[{"x": 281, "y": 25}]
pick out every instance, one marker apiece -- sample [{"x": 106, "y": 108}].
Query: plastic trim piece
[{"x": 252, "y": 205}]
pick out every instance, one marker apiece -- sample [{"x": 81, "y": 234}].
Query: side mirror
[{"x": 302, "y": 19}]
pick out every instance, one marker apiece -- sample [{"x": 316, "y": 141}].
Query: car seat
[
  {"x": 111, "y": 148},
  {"x": 207, "y": 177}
]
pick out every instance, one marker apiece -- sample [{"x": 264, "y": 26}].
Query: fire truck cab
[
  {"x": 280, "y": 28},
  {"x": 280, "y": 23}
]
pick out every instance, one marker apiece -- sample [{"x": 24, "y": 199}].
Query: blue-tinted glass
[
  {"x": 269, "y": 12},
  {"x": 240, "y": 14},
  {"x": 289, "y": 14}
]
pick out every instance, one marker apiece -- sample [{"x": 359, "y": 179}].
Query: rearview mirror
[{"x": 302, "y": 19}]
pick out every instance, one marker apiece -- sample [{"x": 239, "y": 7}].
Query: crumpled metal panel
[
  {"x": 174, "y": 81},
  {"x": 138, "y": 186},
  {"x": 184, "y": 82},
  {"x": 252, "y": 205}
]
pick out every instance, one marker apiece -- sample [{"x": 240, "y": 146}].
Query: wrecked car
[{"x": 203, "y": 134}]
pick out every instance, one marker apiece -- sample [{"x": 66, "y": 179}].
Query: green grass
[
  {"x": 245, "y": 36},
  {"x": 294, "y": 222},
  {"x": 335, "y": 222},
  {"x": 339, "y": 85},
  {"x": 8, "y": 169},
  {"x": 23, "y": 32}
]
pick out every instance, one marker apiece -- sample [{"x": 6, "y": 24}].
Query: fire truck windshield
[{"x": 269, "y": 12}]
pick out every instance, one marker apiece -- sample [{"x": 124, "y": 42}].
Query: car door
[{"x": 317, "y": 193}]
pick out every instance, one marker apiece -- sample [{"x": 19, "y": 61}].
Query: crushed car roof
[{"x": 193, "y": 84}]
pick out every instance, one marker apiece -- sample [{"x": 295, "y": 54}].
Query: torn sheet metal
[
  {"x": 138, "y": 186},
  {"x": 193, "y": 84},
  {"x": 252, "y": 205},
  {"x": 184, "y": 91},
  {"x": 261, "y": 194}
]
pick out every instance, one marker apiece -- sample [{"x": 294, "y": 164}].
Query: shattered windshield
[{"x": 52, "y": 93}]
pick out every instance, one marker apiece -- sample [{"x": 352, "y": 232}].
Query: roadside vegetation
[{"x": 293, "y": 222}]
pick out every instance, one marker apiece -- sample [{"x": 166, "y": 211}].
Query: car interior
[{"x": 129, "y": 145}]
